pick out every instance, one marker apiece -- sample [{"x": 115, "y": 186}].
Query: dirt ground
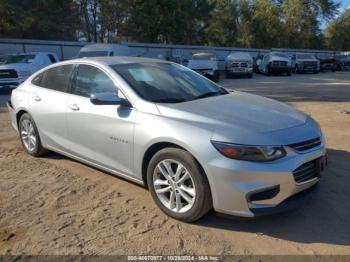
[{"x": 53, "y": 205}]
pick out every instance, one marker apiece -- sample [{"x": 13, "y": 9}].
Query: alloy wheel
[
  {"x": 174, "y": 186},
  {"x": 28, "y": 135}
]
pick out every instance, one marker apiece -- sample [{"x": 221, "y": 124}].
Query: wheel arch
[
  {"x": 156, "y": 147},
  {"x": 19, "y": 114}
]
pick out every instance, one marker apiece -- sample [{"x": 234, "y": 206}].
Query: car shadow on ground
[{"x": 323, "y": 218}]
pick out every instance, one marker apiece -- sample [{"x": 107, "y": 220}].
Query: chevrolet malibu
[{"x": 193, "y": 144}]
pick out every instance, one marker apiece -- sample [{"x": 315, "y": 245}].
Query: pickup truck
[
  {"x": 16, "y": 68},
  {"x": 205, "y": 63},
  {"x": 239, "y": 63},
  {"x": 304, "y": 62}
]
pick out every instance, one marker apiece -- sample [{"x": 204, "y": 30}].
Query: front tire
[
  {"x": 30, "y": 136},
  {"x": 178, "y": 185}
]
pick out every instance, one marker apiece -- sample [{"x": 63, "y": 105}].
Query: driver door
[{"x": 101, "y": 134}]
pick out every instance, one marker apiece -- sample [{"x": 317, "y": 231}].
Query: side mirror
[{"x": 108, "y": 98}]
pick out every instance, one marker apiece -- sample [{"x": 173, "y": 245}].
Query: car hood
[
  {"x": 202, "y": 64},
  {"x": 18, "y": 66},
  {"x": 238, "y": 117}
]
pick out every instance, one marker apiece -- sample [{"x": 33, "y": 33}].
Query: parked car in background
[
  {"x": 205, "y": 63},
  {"x": 95, "y": 50},
  {"x": 256, "y": 62},
  {"x": 304, "y": 62},
  {"x": 276, "y": 63},
  {"x": 343, "y": 62},
  {"x": 239, "y": 63},
  {"x": 16, "y": 68},
  {"x": 327, "y": 63},
  {"x": 193, "y": 144}
]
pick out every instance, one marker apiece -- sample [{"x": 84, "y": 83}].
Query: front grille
[
  {"x": 306, "y": 145},
  {"x": 8, "y": 73},
  {"x": 310, "y": 64},
  {"x": 235, "y": 64},
  {"x": 307, "y": 171},
  {"x": 244, "y": 65},
  {"x": 279, "y": 63}
]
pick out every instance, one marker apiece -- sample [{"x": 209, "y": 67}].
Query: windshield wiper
[
  {"x": 209, "y": 94},
  {"x": 169, "y": 100}
]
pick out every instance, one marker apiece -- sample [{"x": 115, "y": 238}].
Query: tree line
[{"x": 240, "y": 23}]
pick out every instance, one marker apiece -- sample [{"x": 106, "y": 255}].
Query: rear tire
[
  {"x": 172, "y": 199},
  {"x": 29, "y": 135}
]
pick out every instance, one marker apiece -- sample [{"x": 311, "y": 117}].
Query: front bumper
[
  {"x": 12, "y": 113},
  {"x": 239, "y": 70},
  {"x": 308, "y": 68},
  {"x": 10, "y": 83},
  {"x": 236, "y": 181},
  {"x": 279, "y": 69}
]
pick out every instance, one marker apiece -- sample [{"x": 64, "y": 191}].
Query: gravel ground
[{"x": 53, "y": 205}]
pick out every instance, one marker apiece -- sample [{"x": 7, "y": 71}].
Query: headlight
[{"x": 250, "y": 153}]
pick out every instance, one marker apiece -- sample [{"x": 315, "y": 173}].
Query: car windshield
[
  {"x": 167, "y": 82},
  {"x": 305, "y": 56},
  {"x": 13, "y": 59},
  {"x": 280, "y": 55},
  {"x": 92, "y": 53},
  {"x": 203, "y": 56}
]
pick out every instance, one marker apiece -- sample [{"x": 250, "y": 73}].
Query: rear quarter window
[{"x": 56, "y": 78}]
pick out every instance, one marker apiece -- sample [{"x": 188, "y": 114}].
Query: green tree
[
  {"x": 266, "y": 26},
  {"x": 163, "y": 21},
  {"x": 301, "y": 21},
  {"x": 221, "y": 26},
  {"x": 38, "y": 19},
  {"x": 337, "y": 33}
]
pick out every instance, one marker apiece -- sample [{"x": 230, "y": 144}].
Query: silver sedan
[{"x": 192, "y": 143}]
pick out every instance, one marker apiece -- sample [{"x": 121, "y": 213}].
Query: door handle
[
  {"x": 36, "y": 98},
  {"x": 74, "y": 107}
]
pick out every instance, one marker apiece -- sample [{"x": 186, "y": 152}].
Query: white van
[{"x": 104, "y": 50}]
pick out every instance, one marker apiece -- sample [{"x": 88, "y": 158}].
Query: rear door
[
  {"x": 48, "y": 99},
  {"x": 102, "y": 134}
]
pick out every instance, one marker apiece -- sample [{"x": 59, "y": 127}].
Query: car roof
[{"x": 113, "y": 60}]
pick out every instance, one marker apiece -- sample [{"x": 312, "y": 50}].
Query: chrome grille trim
[{"x": 306, "y": 145}]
